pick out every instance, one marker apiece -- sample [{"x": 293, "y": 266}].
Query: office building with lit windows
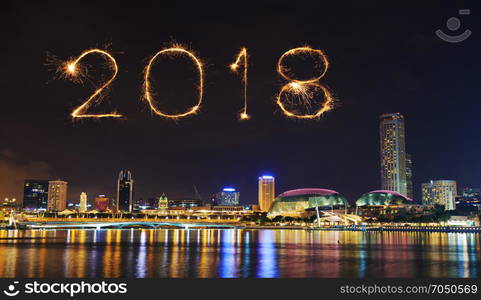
[
  {"x": 441, "y": 192},
  {"x": 229, "y": 197},
  {"x": 427, "y": 193},
  {"x": 409, "y": 177},
  {"x": 57, "y": 195},
  {"x": 125, "y": 191},
  {"x": 393, "y": 153},
  {"x": 266, "y": 192},
  {"x": 469, "y": 199},
  {"x": 35, "y": 195}
]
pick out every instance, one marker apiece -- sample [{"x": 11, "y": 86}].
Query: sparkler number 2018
[{"x": 295, "y": 91}]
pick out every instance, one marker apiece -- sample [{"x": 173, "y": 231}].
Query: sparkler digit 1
[
  {"x": 73, "y": 70},
  {"x": 234, "y": 67},
  {"x": 175, "y": 50},
  {"x": 304, "y": 89}
]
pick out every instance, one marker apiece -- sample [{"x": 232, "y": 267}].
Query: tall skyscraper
[
  {"x": 229, "y": 196},
  {"x": 35, "y": 194},
  {"x": 393, "y": 153},
  {"x": 409, "y": 176},
  {"x": 125, "y": 191},
  {"x": 57, "y": 195},
  {"x": 441, "y": 192},
  {"x": 266, "y": 192},
  {"x": 83, "y": 202}
]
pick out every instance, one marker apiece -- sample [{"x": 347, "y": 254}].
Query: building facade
[
  {"x": 57, "y": 195},
  {"x": 427, "y": 193},
  {"x": 470, "y": 198},
  {"x": 393, "y": 153},
  {"x": 83, "y": 202},
  {"x": 441, "y": 192},
  {"x": 185, "y": 203},
  {"x": 229, "y": 196},
  {"x": 163, "y": 202},
  {"x": 125, "y": 191},
  {"x": 102, "y": 203},
  {"x": 266, "y": 192},
  {"x": 35, "y": 195},
  {"x": 409, "y": 177}
]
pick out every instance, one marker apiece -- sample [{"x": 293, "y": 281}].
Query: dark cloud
[{"x": 14, "y": 170}]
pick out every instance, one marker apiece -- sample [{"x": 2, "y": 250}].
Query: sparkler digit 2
[
  {"x": 234, "y": 66},
  {"x": 304, "y": 88},
  {"x": 74, "y": 71},
  {"x": 175, "y": 50}
]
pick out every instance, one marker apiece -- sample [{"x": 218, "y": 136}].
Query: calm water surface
[{"x": 237, "y": 253}]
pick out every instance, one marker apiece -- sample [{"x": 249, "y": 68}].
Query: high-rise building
[
  {"x": 393, "y": 153},
  {"x": 441, "y": 192},
  {"x": 125, "y": 191},
  {"x": 35, "y": 194},
  {"x": 83, "y": 202},
  {"x": 266, "y": 192},
  {"x": 57, "y": 195},
  {"x": 163, "y": 202},
  {"x": 409, "y": 176},
  {"x": 427, "y": 193},
  {"x": 229, "y": 196}
]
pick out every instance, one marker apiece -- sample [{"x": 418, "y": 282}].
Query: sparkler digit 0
[
  {"x": 74, "y": 71},
  {"x": 175, "y": 50},
  {"x": 305, "y": 89},
  {"x": 234, "y": 67}
]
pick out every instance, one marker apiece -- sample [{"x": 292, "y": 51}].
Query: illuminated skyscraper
[
  {"x": 393, "y": 153},
  {"x": 125, "y": 191},
  {"x": 441, "y": 192},
  {"x": 266, "y": 192},
  {"x": 409, "y": 176},
  {"x": 57, "y": 195},
  {"x": 229, "y": 196},
  {"x": 35, "y": 194},
  {"x": 83, "y": 202}
]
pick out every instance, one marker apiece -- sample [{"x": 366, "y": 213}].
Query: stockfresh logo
[
  {"x": 68, "y": 288},
  {"x": 11, "y": 290}
]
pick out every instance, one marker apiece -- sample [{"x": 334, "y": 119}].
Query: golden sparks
[
  {"x": 74, "y": 71},
  {"x": 304, "y": 90},
  {"x": 234, "y": 67},
  {"x": 174, "y": 50}
]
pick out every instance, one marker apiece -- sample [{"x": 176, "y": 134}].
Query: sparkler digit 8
[
  {"x": 175, "y": 50},
  {"x": 234, "y": 66},
  {"x": 304, "y": 89},
  {"x": 74, "y": 71}
]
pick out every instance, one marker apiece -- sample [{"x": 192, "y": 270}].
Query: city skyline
[{"x": 393, "y": 160}]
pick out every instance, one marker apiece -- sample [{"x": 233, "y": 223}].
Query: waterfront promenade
[{"x": 121, "y": 223}]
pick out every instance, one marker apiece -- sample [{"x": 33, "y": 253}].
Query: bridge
[{"x": 120, "y": 225}]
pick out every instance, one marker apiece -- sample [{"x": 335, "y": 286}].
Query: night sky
[{"x": 384, "y": 58}]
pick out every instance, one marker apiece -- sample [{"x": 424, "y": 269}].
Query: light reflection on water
[{"x": 231, "y": 253}]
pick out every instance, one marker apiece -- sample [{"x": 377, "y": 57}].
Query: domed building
[
  {"x": 382, "y": 198},
  {"x": 296, "y": 202}
]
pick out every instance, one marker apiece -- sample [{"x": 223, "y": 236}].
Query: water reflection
[{"x": 231, "y": 253}]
